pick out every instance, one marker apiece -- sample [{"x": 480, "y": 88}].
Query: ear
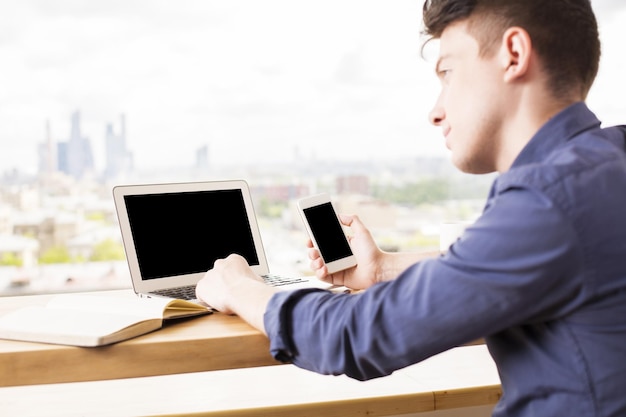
[{"x": 515, "y": 53}]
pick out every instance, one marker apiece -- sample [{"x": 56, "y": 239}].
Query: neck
[{"x": 534, "y": 108}]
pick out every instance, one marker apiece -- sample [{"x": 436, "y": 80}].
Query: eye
[{"x": 444, "y": 73}]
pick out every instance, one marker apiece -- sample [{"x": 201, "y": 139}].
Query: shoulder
[{"x": 588, "y": 157}]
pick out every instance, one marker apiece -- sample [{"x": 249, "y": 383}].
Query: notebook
[{"x": 173, "y": 233}]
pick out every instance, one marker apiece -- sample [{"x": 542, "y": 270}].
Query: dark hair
[{"x": 564, "y": 33}]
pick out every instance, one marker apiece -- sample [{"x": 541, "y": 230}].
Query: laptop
[{"x": 173, "y": 233}]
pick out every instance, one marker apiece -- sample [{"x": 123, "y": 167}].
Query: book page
[
  {"x": 93, "y": 320},
  {"x": 41, "y": 324},
  {"x": 129, "y": 306}
]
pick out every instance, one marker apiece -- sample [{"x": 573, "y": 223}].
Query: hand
[
  {"x": 221, "y": 286},
  {"x": 369, "y": 258}
]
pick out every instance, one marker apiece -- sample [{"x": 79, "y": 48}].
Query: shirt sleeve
[{"x": 515, "y": 265}]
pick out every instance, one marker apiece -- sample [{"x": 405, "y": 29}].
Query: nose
[{"x": 437, "y": 114}]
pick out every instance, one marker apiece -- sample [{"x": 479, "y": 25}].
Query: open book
[{"x": 91, "y": 320}]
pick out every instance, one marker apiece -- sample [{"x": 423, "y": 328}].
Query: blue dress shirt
[{"x": 541, "y": 275}]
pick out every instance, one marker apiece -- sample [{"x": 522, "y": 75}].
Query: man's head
[
  {"x": 564, "y": 33},
  {"x": 506, "y": 67}
]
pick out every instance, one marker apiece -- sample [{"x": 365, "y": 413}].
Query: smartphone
[{"x": 326, "y": 232}]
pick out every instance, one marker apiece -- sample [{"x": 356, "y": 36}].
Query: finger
[
  {"x": 322, "y": 274},
  {"x": 353, "y": 222},
  {"x": 314, "y": 254},
  {"x": 345, "y": 219},
  {"x": 218, "y": 264},
  {"x": 317, "y": 264}
]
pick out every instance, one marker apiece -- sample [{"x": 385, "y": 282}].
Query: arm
[{"x": 500, "y": 274}]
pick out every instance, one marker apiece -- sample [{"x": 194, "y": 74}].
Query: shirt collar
[{"x": 565, "y": 125}]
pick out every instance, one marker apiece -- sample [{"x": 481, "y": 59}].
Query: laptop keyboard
[
  {"x": 278, "y": 280},
  {"x": 184, "y": 293},
  {"x": 189, "y": 292}
]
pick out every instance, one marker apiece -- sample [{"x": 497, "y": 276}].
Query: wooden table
[
  {"x": 216, "y": 366},
  {"x": 204, "y": 343},
  {"x": 463, "y": 379}
]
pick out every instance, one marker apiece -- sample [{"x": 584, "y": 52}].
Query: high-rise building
[
  {"x": 119, "y": 161},
  {"x": 75, "y": 157},
  {"x": 47, "y": 154}
]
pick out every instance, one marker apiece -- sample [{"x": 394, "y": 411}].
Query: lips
[{"x": 446, "y": 133}]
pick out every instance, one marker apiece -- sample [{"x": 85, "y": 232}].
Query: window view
[{"x": 295, "y": 97}]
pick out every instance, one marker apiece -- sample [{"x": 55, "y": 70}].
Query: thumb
[{"x": 353, "y": 222}]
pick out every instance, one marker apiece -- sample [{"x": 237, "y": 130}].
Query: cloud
[{"x": 236, "y": 74}]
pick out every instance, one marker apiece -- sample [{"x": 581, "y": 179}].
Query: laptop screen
[{"x": 185, "y": 232}]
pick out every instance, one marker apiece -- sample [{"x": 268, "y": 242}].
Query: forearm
[
  {"x": 394, "y": 263},
  {"x": 364, "y": 335},
  {"x": 248, "y": 299}
]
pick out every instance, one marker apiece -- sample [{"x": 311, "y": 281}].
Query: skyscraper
[
  {"x": 75, "y": 157},
  {"x": 47, "y": 154},
  {"x": 119, "y": 161}
]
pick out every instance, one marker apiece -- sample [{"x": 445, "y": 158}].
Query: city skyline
[{"x": 327, "y": 80}]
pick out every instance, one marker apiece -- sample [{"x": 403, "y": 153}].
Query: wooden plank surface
[
  {"x": 462, "y": 377},
  {"x": 204, "y": 343}
]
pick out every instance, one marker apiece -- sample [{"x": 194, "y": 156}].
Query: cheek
[
  {"x": 460, "y": 101},
  {"x": 472, "y": 144},
  {"x": 470, "y": 105},
  {"x": 473, "y": 111}
]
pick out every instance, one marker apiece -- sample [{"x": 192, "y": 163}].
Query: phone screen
[{"x": 327, "y": 232}]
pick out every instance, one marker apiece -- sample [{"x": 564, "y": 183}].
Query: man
[{"x": 541, "y": 274}]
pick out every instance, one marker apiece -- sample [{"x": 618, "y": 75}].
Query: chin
[
  {"x": 458, "y": 161},
  {"x": 468, "y": 165}
]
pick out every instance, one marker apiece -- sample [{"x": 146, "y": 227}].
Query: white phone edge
[{"x": 316, "y": 200}]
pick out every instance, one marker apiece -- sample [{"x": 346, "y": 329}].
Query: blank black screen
[
  {"x": 184, "y": 233},
  {"x": 327, "y": 232}
]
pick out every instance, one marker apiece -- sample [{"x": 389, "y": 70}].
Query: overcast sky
[{"x": 338, "y": 79}]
